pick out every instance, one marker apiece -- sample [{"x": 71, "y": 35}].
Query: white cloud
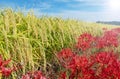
[
  {"x": 86, "y": 16},
  {"x": 42, "y": 5}
]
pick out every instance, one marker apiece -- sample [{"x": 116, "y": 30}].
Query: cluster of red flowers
[
  {"x": 84, "y": 41},
  {"x": 99, "y": 65},
  {"x": 3, "y": 69},
  {"x": 34, "y": 75},
  {"x": 109, "y": 38},
  {"x": 102, "y": 65}
]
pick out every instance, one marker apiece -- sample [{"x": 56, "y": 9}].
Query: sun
[{"x": 114, "y": 4}]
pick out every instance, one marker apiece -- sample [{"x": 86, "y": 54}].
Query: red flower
[
  {"x": 62, "y": 75},
  {"x": 84, "y": 41},
  {"x": 4, "y": 63},
  {"x": 4, "y": 70},
  {"x": 105, "y": 57},
  {"x": 117, "y": 30},
  {"x": 27, "y": 76},
  {"x": 65, "y": 53},
  {"x": 102, "y": 65},
  {"x": 65, "y": 56},
  {"x": 33, "y": 75},
  {"x": 110, "y": 38},
  {"x": 38, "y": 75},
  {"x": 80, "y": 62}
]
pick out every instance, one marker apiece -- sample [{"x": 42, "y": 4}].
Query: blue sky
[{"x": 86, "y": 10}]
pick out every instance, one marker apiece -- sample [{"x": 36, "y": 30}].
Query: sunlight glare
[{"x": 114, "y": 4}]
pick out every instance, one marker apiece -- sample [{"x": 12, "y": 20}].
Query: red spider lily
[
  {"x": 78, "y": 62},
  {"x": 27, "y": 76},
  {"x": 102, "y": 65},
  {"x": 109, "y": 65},
  {"x": 3, "y": 69},
  {"x": 33, "y": 75},
  {"x": 84, "y": 41},
  {"x": 117, "y": 30},
  {"x": 110, "y": 38},
  {"x": 79, "y": 65},
  {"x": 65, "y": 56},
  {"x": 65, "y": 53},
  {"x": 105, "y": 57},
  {"x": 6, "y": 71},
  {"x": 38, "y": 75},
  {"x": 62, "y": 75},
  {"x": 4, "y": 63}
]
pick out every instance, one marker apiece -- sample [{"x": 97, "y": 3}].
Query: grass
[{"x": 33, "y": 42}]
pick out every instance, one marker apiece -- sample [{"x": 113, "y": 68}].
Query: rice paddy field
[{"x": 32, "y": 42}]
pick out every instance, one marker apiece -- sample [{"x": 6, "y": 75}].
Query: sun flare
[{"x": 114, "y": 4}]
